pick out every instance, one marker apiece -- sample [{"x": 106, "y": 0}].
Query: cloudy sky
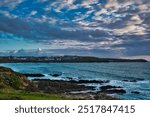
[{"x": 103, "y": 28}]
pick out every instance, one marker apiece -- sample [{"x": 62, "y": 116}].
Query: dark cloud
[{"x": 96, "y": 27}]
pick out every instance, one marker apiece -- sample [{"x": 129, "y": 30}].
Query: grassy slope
[{"x": 12, "y": 86}]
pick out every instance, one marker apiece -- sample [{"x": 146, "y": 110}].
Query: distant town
[{"x": 61, "y": 59}]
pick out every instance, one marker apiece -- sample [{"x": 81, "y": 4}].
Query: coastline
[
  {"x": 14, "y": 85},
  {"x": 63, "y": 59},
  {"x": 122, "y": 80}
]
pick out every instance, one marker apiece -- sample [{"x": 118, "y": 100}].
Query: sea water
[{"x": 116, "y": 73}]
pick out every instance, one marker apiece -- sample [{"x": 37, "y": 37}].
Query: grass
[
  {"x": 12, "y": 85},
  {"x": 11, "y": 94}
]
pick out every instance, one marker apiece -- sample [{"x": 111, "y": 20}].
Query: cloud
[
  {"x": 10, "y": 4},
  {"x": 60, "y": 52},
  {"x": 116, "y": 26},
  {"x": 33, "y": 13}
]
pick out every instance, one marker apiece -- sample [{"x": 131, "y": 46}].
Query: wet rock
[
  {"x": 86, "y": 81},
  {"x": 134, "y": 80},
  {"x": 34, "y": 75},
  {"x": 140, "y": 79},
  {"x": 55, "y": 74},
  {"x": 59, "y": 86},
  {"x": 103, "y": 88},
  {"x": 135, "y": 92},
  {"x": 112, "y": 91},
  {"x": 93, "y": 81}
]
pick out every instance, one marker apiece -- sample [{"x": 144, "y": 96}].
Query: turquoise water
[{"x": 115, "y": 72}]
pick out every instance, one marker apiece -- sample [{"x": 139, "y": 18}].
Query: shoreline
[
  {"x": 14, "y": 85},
  {"x": 70, "y": 88}
]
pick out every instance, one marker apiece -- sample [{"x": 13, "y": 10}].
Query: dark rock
[
  {"x": 88, "y": 81},
  {"x": 134, "y": 80},
  {"x": 103, "y": 88},
  {"x": 40, "y": 80},
  {"x": 140, "y": 79},
  {"x": 111, "y": 91},
  {"x": 59, "y": 86},
  {"x": 129, "y": 80},
  {"x": 55, "y": 74},
  {"x": 34, "y": 75},
  {"x": 135, "y": 92},
  {"x": 93, "y": 81},
  {"x": 71, "y": 80}
]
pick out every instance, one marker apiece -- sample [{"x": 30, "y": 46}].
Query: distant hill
[{"x": 63, "y": 59}]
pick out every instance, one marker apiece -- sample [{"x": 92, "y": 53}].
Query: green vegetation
[
  {"x": 11, "y": 94},
  {"x": 13, "y": 86},
  {"x": 11, "y": 79}
]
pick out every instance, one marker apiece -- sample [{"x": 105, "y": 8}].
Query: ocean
[{"x": 119, "y": 74}]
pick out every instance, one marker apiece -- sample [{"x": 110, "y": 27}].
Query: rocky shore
[
  {"x": 69, "y": 88},
  {"x": 17, "y": 82},
  {"x": 61, "y": 86},
  {"x": 66, "y": 89}
]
